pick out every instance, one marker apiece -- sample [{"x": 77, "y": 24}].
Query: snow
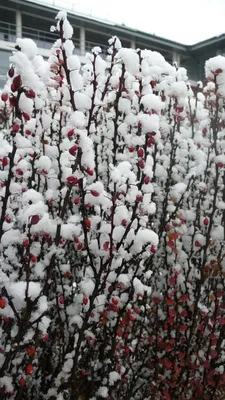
[
  {"x": 76, "y": 320},
  {"x": 69, "y": 231},
  {"x": 177, "y": 191},
  {"x": 68, "y": 365},
  {"x": 62, "y": 15},
  {"x": 43, "y": 163},
  {"x": 214, "y": 64},
  {"x": 10, "y": 237},
  {"x": 113, "y": 377},
  {"x": 87, "y": 287},
  {"x": 152, "y": 102},
  {"x": 124, "y": 279},
  {"x": 25, "y": 104},
  {"x": 103, "y": 392},
  {"x": 17, "y": 291},
  {"x": 28, "y": 47},
  {"x": 78, "y": 119},
  {"x": 73, "y": 62}
]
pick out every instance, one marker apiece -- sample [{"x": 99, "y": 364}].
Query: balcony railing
[
  {"x": 90, "y": 45},
  {"x": 43, "y": 39},
  {"x": 7, "y": 31}
]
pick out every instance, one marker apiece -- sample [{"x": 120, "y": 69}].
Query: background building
[{"x": 23, "y": 18}]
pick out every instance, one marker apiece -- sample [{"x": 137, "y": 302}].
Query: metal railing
[
  {"x": 90, "y": 45},
  {"x": 43, "y": 39},
  {"x": 7, "y": 31}
]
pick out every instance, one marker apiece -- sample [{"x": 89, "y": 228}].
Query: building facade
[{"x": 23, "y": 18}]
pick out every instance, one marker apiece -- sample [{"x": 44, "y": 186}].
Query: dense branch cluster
[{"x": 112, "y": 203}]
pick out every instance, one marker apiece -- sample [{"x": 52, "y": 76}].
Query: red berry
[
  {"x": 206, "y": 221},
  {"x": 106, "y": 246},
  {"x": 72, "y": 180},
  {"x": 2, "y": 302},
  {"x": 79, "y": 246},
  {"x": 73, "y": 150},
  {"x": 17, "y": 83},
  {"x": 131, "y": 149},
  {"x": 197, "y": 244},
  {"x": 5, "y": 161},
  {"x": 83, "y": 372},
  {"x": 180, "y": 109},
  {"x": 90, "y": 171},
  {"x": 146, "y": 180},
  {"x": 31, "y": 351},
  {"x": 33, "y": 259},
  {"x": 141, "y": 164},
  {"x": 19, "y": 171},
  {"x": 68, "y": 274},
  {"x": 87, "y": 223},
  {"x": 44, "y": 171},
  {"x": 61, "y": 300},
  {"x": 219, "y": 164},
  {"x": 153, "y": 249},
  {"x": 218, "y": 71},
  {"x": 124, "y": 222},
  {"x": 114, "y": 301},
  {"x": 76, "y": 200},
  {"x": 11, "y": 72},
  {"x": 179, "y": 118},
  {"x": 94, "y": 193},
  {"x": 22, "y": 382},
  {"x": 35, "y": 219},
  {"x": 204, "y": 131},
  {"x": 26, "y": 116},
  {"x": 140, "y": 152},
  {"x": 15, "y": 128},
  {"x": 70, "y": 133},
  {"x": 13, "y": 87},
  {"x": 5, "y": 97},
  {"x": 30, "y": 94},
  {"x": 12, "y": 101},
  {"x": 29, "y": 369},
  {"x": 150, "y": 142},
  {"x": 184, "y": 297},
  {"x": 8, "y": 220},
  {"x": 139, "y": 198},
  {"x": 45, "y": 337},
  {"x": 85, "y": 300},
  {"x": 182, "y": 328}
]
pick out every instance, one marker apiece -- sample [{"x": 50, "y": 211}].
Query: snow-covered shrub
[{"x": 112, "y": 204}]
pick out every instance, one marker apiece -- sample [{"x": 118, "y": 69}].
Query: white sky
[{"x": 185, "y": 21}]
